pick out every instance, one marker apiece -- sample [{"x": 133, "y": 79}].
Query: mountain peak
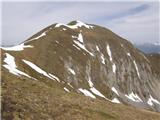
[
  {"x": 75, "y": 22},
  {"x": 85, "y": 60},
  {"x": 74, "y": 25}
]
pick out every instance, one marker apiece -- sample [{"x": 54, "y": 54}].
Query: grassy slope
[{"x": 27, "y": 99}]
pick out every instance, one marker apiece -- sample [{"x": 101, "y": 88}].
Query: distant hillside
[{"x": 149, "y": 48}]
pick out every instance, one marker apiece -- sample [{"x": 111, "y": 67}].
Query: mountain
[
  {"x": 79, "y": 71},
  {"x": 149, "y": 47}
]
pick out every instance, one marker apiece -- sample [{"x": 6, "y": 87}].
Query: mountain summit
[{"x": 49, "y": 74}]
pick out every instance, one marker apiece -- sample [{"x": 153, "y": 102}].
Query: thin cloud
[
  {"x": 136, "y": 21},
  {"x": 125, "y": 13}
]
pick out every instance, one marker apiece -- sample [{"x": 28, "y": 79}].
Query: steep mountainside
[
  {"x": 154, "y": 58},
  {"x": 59, "y": 64}
]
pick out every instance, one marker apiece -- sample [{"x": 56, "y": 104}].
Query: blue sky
[{"x": 138, "y": 22}]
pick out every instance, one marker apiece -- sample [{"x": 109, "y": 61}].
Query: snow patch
[
  {"x": 136, "y": 69},
  {"x": 57, "y": 42},
  {"x": 11, "y": 66},
  {"x": 115, "y": 100},
  {"x": 90, "y": 82},
  {"x": 86, "y": 93},
  {"x": 17, "y": 47},
  {"x": 80, "y": 43},
  {"x": 114, "y": 68},
  {"x": 54, "y": 77},
  {"x": 109, "y": 53},
  {"x": 64, "y": 29},
  {"x": 10, "y": 61},
  {"x": 78, "y": 24},
  {"x": 151, "y": 101},
  {"x": 103, "y": 59},
  {"x": 114, "y": 90},
  {"x": 39, "y": 70},
  {"x": 71, "y": 71},
  {"x": 129, "y": 54},
  {"x": 41, "y": 35},
  {"x": 69, "y": 85},
  {"x": 97, "y": 48},
  {"x": 58, "y": 25},
  {"x": 111, "y": 59},
  {"x": 83, "y": 47},
  {"x": 122, "y": 45},
  {"x": 96, "y": 92},
  {"x": 80, "y": 37},
  {"x": 76, "y": 47},
  {"x": 66, "y": 89},
  {"x": 74, "y": 36},
  {"x": 134, "y": 97},
  {"x": 136, "y": 64}
]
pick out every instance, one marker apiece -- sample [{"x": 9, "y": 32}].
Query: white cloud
[
  {"x": 139, "y": 28},
  {"x": 21, "y": 20}
]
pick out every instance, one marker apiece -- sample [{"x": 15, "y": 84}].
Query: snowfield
[{"x": 17, "y": 47}]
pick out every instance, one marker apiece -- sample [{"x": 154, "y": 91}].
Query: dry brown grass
[{"x": 25, "y": 99}]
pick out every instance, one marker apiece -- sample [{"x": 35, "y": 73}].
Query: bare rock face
[{"x": 90, "y": 60}]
